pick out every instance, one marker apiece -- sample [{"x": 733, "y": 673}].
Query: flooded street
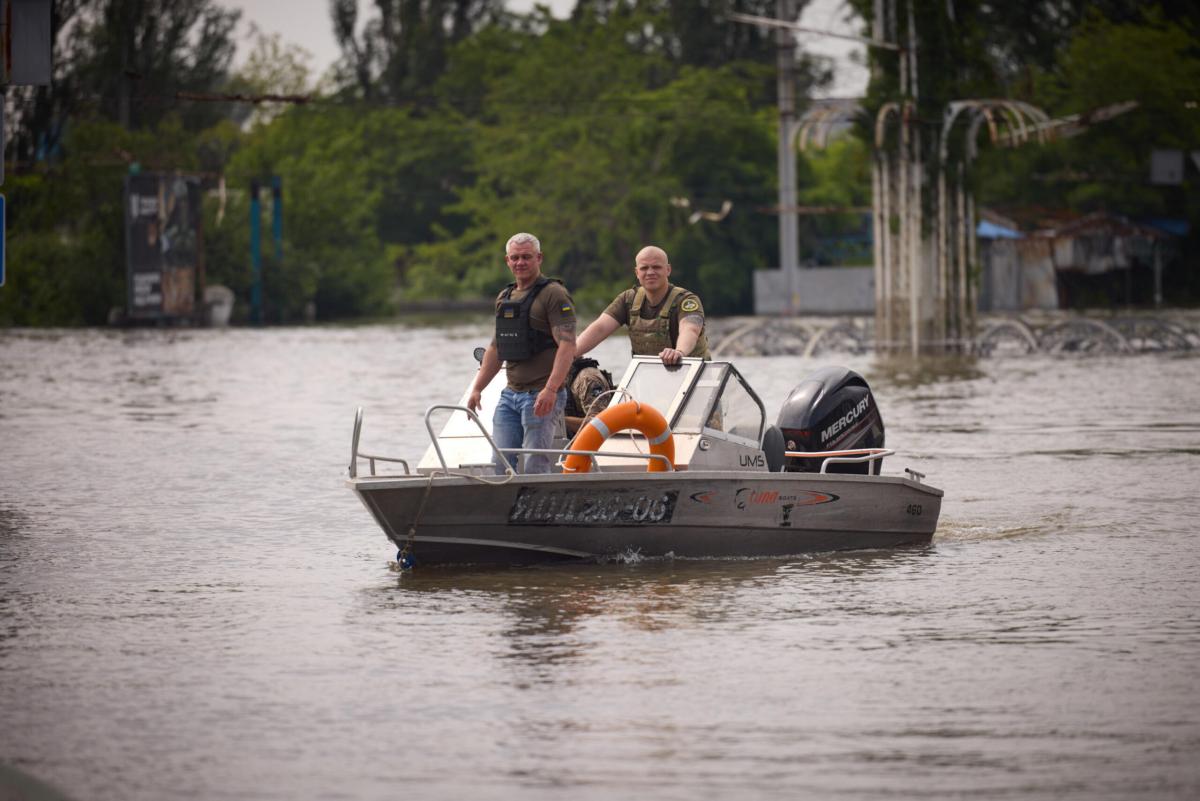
[{"x": 192, "y": 605}]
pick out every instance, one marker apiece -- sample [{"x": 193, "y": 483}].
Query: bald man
[{"x": 664, "y": 320}]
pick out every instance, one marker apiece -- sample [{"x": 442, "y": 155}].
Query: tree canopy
[{"x": 447, "y": 126}]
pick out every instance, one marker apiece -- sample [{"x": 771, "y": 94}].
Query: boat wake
[{"x": 950, "y": 531}]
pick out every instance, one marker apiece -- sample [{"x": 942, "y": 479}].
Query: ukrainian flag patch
[{"x": 566, "y": 309}]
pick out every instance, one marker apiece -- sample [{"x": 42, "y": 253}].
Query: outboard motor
[{"x": 831, "y": 410}]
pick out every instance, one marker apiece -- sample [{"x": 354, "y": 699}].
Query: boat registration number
[{"x": 580, "y": 507}]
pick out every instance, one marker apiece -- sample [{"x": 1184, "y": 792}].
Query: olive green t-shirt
[
  {"x": 552, "y": 307},
  {"x": 620, "y": 307}
]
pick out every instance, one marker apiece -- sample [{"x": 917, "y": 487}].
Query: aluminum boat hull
[{"x": 689, "y": 514}]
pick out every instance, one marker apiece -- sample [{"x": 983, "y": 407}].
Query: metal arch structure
[
  {"x": 924, "y": 279},
  {"x": 846, "y": 332},
  {"x": 822, "y": 119},
  {"x": 764, "y": 337},
  {"x": 1083, "y": 335},
  {"x": 1007, "y": 336},
  {"x": 1154, "y": 334},
  {"x": 1016, "y": 330},
  {"x": 1018, "y": 122}
]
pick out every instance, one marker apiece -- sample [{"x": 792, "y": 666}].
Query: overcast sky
[{"x": 307, "y": 23}]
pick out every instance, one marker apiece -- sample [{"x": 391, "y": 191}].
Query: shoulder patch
[
  {"x": 690, "y": 305},
  {"x": 566, "y": 308}
]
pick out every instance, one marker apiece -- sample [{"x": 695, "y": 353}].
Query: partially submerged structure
[{"x": 1098, "y": 259}]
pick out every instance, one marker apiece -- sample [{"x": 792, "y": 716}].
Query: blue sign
[{"x": 3, "y": 235}]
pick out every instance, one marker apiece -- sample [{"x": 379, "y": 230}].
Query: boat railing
[
  {"x": 516, "y": 451},
  {"x": 474, "y": 418},
  {"x": 872, "y": 455},
  {"x": 649, "y": 457},
  {"x": 355, "y": 454}
]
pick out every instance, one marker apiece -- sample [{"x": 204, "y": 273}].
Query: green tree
[
  {"x": 66, "y": 248},
  {"x": 1107, "y": 167},
  {"x": 40, "y": 113},
  {"x": 582, "y": 141},
  {"x": 694, "y": 32},
  {"x": 132, "y": 56},
  {"x": 123, "y": 60},
  {"x": 403, "y": 50},
  {"x": 837, "y": 177},
  {"x": 273, "y": 67},
  {"x": 361, "y": 186}
]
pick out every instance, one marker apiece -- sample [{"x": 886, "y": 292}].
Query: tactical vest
[
  {"x": 649, "y": 337},
  {"x": 516, "y": 338}
]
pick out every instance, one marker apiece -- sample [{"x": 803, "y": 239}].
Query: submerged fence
[{"x": 998, "y": 336}]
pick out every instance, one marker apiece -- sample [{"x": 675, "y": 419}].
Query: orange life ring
[{"x": 629, "y": 414}]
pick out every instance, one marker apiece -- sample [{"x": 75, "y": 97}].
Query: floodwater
[{"x": 193, "y": 606}]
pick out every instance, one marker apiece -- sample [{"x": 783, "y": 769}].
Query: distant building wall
[
  {"x": 1000, "y": 284},
  {"x": 1039, "y": 283},
  {"x": 819, "y": 290},
  {"x": 1017, "y": 274}
]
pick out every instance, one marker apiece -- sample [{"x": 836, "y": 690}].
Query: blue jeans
[{"x": 514, "y": 425}]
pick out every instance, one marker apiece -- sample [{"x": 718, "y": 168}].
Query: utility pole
[
  {"x": 789, "y": 229},
  {"x": 785, "y": 25}
]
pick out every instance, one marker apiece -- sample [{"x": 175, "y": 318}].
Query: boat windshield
[
  {"x": 695, "y": 409},
  {"x": 721, "y": 401},
  {"x": 658, "y": 385}
]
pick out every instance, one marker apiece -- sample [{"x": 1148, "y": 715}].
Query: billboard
[{"x": 162, "y": 245}]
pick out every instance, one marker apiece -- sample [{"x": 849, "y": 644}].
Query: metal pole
[
  {"x": 943, "y": 247},
  {"x": 788, "y": 220},
  {"x": 915, "y": 252},
  {"x": 879, "y": 181},
  {"x": 256, "y": 315},
  {"x": 1157, "y": 274},
  {"x": 877, "y": 243},
  {"x": 200, "y": 314},
  {"x": 277, "y": 218},
  {"x": 965, "y": 232}
]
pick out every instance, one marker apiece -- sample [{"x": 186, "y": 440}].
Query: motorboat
[{"x": 681, "y": 462}]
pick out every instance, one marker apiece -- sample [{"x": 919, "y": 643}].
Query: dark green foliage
[
  {"x": 838, "y": 176},
  {"x": 403, "y": 49},
  {"x": 362, "y": 187},
  {"x": 66, "y": 248},
  {"x": 41, "y": 112},
  {"x": 694, "y": 32},
  {"x": 132, "y": 56},
  {"x": 125, "y": 61},
  {"x": 457, "y": 124},
  {"x": 1107, "y": 167},
  {"x": 1067, "y": 57},
  {"x": 585, "y": 140}
]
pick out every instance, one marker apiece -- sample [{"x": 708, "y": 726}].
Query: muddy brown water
[{"x": 193, "y": 606}]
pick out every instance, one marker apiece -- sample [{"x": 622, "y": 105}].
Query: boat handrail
[
  {"x": 501, "y": 451},
  {"x": 355, "y": 455},
  {"x": 844, "y": 457},
  {"x": 372, "y": 459},
  {"x": 508, "y": 471},
  {"x": 657, "y": 457}
]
